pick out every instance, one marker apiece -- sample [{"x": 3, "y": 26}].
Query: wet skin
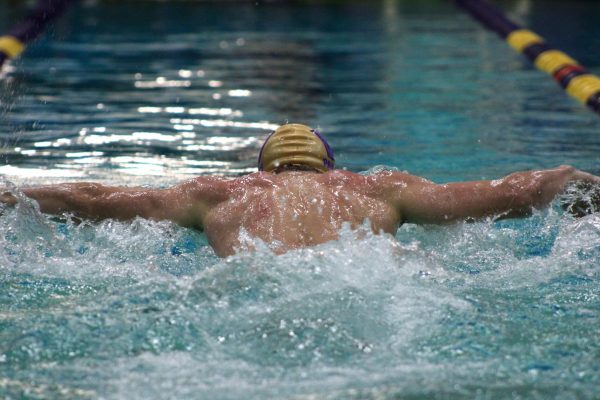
[{"x": 296, "y": 209}]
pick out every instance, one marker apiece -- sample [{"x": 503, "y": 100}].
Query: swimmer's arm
[
  {"x": 185, "y": 204},
  {"x": 516, "y": 195}
]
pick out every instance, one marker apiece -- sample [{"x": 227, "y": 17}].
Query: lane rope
[
  {"x": 574, "y": 78},
  {"x": 14, "y": 42}
]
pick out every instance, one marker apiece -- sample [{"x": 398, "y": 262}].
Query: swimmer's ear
[{"x": 581, "y": 199}]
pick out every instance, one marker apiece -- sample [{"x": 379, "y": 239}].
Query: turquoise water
[{"x": 142, "y": 93}]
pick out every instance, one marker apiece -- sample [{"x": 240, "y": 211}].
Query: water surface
[{"x": 140, "y": 93}]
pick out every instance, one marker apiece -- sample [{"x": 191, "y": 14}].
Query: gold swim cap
[{"x": 295, "y": 144}]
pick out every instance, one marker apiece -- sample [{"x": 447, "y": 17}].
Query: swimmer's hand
[
  {"x": 7, "y": 198},
  {"x": 581, "y": 198}
]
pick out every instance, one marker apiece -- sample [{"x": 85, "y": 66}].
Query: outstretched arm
[
  {"x": 185, "y": 204},
  {"x": 421, "y": 201}
]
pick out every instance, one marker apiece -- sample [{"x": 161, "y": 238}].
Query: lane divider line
[
  {"x": 13, "y": 43},
  {"x": 574, "y": 78}
]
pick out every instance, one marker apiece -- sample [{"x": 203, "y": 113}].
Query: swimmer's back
[{"x": 296, "y": 209}]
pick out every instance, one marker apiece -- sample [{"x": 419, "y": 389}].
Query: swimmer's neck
[{"x": 295, "y": 170}]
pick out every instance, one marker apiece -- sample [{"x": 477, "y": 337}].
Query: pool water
[{"x": 144, "y": 93}]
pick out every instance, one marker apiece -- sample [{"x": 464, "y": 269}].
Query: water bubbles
[
  {"x": 405, "y": 307},
  {"x": 380, "y": 169},
  {"x": 496, "y": 182}
]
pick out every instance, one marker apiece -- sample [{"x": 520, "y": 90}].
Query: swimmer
[{"x": 298, "y": 199}]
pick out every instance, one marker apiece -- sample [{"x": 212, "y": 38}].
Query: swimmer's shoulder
[
  {"x": 209, "y": 188},
  {"x": 341, "y": 176},
  {"x": 375, "y": 180},
  {"x": 397, "y": 177},
  {"x": 259, "y": 179},
  {"x": 392, "y": 185}
]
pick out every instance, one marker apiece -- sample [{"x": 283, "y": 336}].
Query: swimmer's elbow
[
  {"x": 522, "y": 194},
  {"x": 89, "y": 200},
  {"x": 96, "y": 201},
  {"x": 179, "y": 208}
]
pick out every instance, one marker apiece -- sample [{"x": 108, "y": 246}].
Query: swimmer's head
[{"x": 295, "y": 146}]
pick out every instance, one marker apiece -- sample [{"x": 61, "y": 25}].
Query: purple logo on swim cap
[
  {"x": 328, "y": 164},
  {"x": 260, "y": 154}
]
